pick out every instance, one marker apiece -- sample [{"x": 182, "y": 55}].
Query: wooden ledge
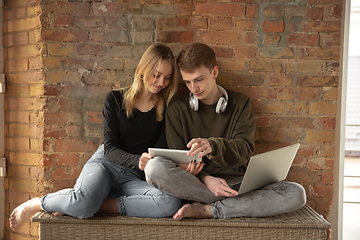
[
  {"x": 302, "y": 224},
  {"x": 305, "y": 217}
]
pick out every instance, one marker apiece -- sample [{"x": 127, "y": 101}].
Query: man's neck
[{"x": 213, "y": 97}]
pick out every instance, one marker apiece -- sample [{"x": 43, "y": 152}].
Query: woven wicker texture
[{"x": 302, "y": 224}]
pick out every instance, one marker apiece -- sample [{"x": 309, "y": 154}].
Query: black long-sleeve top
[{"x": 125, "y": 139}]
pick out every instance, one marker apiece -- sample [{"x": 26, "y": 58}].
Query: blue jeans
[
  {"x": 101, "y": 179},
  {"x": 276, "y": 198}
]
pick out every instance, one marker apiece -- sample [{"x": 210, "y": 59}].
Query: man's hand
[
  {"x": 219, "y": 187},
  {"x": 193, "y": 167},
  {"x": 199, "y": 145},
  {"x": 145, "y": 157}
]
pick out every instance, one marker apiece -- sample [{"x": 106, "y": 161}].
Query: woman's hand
[
  {"x": 199, "y": 146},
  {"x": 145, "y": 157},
  {"x": 219, "y": 186},
  {"x": 193, "y": 167}
]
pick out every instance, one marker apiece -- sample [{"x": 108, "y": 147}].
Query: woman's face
[{"x": 160, "y": 78}]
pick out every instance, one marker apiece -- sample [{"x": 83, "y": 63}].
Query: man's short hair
[{"x": 194, "y": 55}]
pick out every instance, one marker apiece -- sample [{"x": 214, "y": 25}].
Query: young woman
[{"x": 112, "y": 180}]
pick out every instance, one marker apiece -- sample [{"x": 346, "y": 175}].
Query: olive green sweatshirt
[{"x": 231, "y": 134}]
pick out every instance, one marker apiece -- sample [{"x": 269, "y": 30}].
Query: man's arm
[
  {"x": 236, "y": 151},
  {"x": 176, "y": 140},
  {"x": 174, "y": 134},
  {"x": 218, "y": 186}
]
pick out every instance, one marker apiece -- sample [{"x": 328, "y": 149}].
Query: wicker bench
[{"x": 302, "y": 224}]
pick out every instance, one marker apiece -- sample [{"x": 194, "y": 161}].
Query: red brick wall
[{"x": 62, "y": 57}]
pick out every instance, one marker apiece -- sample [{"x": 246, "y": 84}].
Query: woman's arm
[{"x": 111, "y": 131}]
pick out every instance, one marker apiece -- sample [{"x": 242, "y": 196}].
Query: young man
[{"x": 219, "y": 125}]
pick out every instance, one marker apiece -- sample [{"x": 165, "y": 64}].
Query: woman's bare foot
[
  {"x": 194, "y": 210},
  {"x": 23, "y": 213}
]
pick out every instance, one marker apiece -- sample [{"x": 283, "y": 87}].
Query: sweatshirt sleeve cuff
[
  {"x": 201, "y": 175},
  {"x": 214, "y": 147}
]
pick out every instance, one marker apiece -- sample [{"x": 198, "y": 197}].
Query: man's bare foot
[
  {"x": 57, "y": 214},
  {"x": 194, "y": 210},
  {"x": 23, "y": 213}
]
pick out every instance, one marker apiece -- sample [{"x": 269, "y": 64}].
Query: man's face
[{"x": 201, "y": 82}]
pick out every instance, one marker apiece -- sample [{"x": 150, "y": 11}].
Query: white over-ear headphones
[{"x": 220, "y": 106}]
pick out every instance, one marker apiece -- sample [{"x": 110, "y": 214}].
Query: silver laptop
[{"x": 267, "y": 168}]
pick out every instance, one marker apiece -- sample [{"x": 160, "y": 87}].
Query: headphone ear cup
[
  {"x": 220, "y": 105},
  {"x": 224, "y": 105},
  {"x": 193, "y": 102}
]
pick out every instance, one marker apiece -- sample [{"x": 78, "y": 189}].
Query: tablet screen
[{"x": 177, "y": 156}]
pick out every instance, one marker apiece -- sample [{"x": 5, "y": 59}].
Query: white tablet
[{"x": 177, "y": 156}]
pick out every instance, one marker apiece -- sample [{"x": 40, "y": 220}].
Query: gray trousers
[{"x": 276, "y": 198}]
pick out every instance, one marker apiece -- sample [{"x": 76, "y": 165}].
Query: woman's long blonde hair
[{"x": 151, "y": 58}]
